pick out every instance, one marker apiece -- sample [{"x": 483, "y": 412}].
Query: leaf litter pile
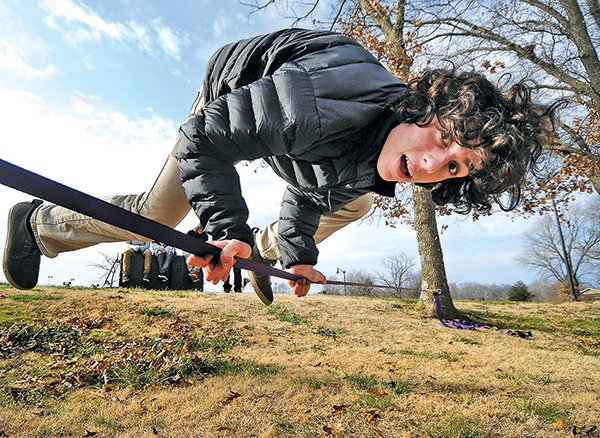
[{"x": 132, "y": 363}]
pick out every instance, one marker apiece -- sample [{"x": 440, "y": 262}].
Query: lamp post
[{"x": 338, "y": 270}]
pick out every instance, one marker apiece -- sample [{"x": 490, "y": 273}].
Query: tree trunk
[
  {"x": 595, "y": 179},
  {"x": 433, "y": 270}
]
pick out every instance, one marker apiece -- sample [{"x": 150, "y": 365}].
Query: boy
[{"x": 336, "y": 126}]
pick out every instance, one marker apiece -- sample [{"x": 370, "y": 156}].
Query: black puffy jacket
[{"x": 315, "y": 105}]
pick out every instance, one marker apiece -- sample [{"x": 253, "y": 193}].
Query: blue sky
[{"x": 92, "y": 94}]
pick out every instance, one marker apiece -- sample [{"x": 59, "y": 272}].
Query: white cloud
[
  {"x": 12, "y": 62},
  {"x": 167, "y": 40},
  {"x": 82, "y": 107},
  {"x": 221, "y": 24},
  {"x": 80, "y": 24},
  {"x": 73, "y": 13},
  {"x": 88, "y": 63},
  {"x": 141, "y": 36}
]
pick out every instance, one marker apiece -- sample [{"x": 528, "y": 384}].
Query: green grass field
[{"x": 118, "y": 363}]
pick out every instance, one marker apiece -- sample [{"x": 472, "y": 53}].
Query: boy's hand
[
  {"x": 300, "y": 287},
  {"x": 220, "y": 272}
]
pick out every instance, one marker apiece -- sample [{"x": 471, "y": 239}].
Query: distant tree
[
  {"x": 280, "y": 288},
  {"x": 110, "y": 267},
  {"x": 519, "y": 292},
  {"x": 398, "y": 273},
  {"x": 547, "y": 291},
  {"x": 359, "y": 276},
  {"x": 479, "y": 291},
  {"x": 580, "y": 227}
]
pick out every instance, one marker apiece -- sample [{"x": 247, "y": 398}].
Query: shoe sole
[
  {"x": 5, "y": 254},
  {"x": 266, "y": 301}
]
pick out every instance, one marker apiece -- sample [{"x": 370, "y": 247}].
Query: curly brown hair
[{"x": 509, "y": 131}]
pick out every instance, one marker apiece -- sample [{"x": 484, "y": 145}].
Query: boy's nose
[{"x": 434, "y": 162}]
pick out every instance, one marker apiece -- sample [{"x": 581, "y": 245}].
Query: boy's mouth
[{"x": 404, "y": 169}]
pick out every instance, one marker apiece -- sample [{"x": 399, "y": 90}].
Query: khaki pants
[
  {"x": 57, "y": 229},
  {"x": 127, "y": 260}
]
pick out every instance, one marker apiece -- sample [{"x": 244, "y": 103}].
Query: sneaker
[
  {"x": 125, "y": 278},
  {"x": 22, "y": 256},
  {"x": 194, "y": 276},
  {"x": 163, "y": 278},
  {"x": 261, "y": 283},
  {"x": 146, "y": 277}
]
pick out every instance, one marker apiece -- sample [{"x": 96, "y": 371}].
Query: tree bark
[
  {"x": 433, "y": 270},
  {"x": 595, "y": 179}
]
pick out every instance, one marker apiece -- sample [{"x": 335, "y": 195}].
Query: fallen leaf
[
  {"x": 559, "y": 425},
  {"x": 588, "y": 429},
  {"x": 374, "y": 413},
  {"x": 332, "y": 430},
  {"x": 505, "y": 392},
  {"x": 339, "y": 408},
  {"x": 377, "y": 392},
  {"x": 584, "y": 430},
  {"x": 88, "y": 433},
  {"x": 154, "y": 430},
  {"x": 376, "y": 431},
  {"x": 232, "y": 396}
]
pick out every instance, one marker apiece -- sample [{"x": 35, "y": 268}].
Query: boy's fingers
[
  {"x": 200, "y": 261},
  {"x": 300, "y": 287},
  {"x": 216, "y": 272}
]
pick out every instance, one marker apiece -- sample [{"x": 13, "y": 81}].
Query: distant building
[{"x": 589, "y": 294}]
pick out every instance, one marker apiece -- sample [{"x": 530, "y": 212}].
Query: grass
[
  {"x": 156, "y": 311},
  {"x": 333, "y": 332},
  {"x": 141, "y": 363},
  {"x": 445, "y": 355},
  {"x": 34, "y": 297},
  {"x": 284, "y": 314}
]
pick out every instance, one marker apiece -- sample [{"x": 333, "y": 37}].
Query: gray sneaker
[
  {"x": 21, "y": 262},
  {"x": 261, "y": 283}
]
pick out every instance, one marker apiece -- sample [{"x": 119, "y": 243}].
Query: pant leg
[
  {"x": 147, "y": 261},
  {"x": 266, "y": 239},
  {"x": 237, "y": 279},
  {"x": 127, "y": 260},
  {"x": 167, "y": 263},
  {"x": 57, "y": 229},
  {"x": 160, "y": 258},
  {"x": 227, "y": 284}
]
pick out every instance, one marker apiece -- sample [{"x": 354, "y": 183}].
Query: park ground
[{"x": 137, "y": 363}]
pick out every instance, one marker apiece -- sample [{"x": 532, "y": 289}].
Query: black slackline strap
[{"x": 37, "y": 185}]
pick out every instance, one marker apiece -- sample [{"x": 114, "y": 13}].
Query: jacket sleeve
[
  {"x": 275, "y": 115},
  {"x": 298, "y": 222}
]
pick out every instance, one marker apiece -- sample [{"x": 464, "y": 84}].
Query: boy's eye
[
  {"x": 453, "y": 167},
  {"x": 445, "y": 135}
]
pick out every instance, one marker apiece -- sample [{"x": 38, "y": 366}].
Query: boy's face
[{"x": 424, "y": 155}]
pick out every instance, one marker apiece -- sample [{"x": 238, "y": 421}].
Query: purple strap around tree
[{"x": 470, "y": 325}]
